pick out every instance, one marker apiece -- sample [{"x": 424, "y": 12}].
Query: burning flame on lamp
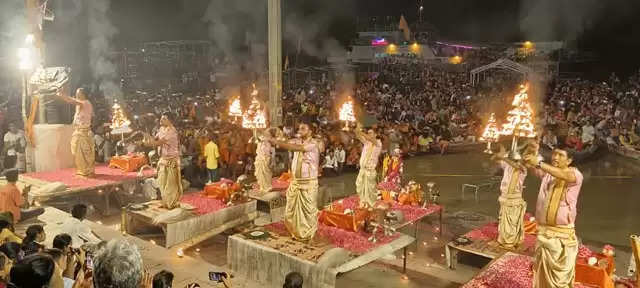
[
  {"x": 491, "y": 133},
  {"x": 254, "y": 117},
  {"x": 519, "y": 120},
  {"x": 346, "y": 113},
  {"x": 235, "y": 110}
]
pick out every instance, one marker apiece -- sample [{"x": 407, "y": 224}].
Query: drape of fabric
[
  {"x": 169, "y": 182},
  {"x": 510, "y": 224},
  {"x": 263, "y": 174},
  {"x": 301, "y": 212},
  {"x": 555, "y": 257},
  {"x": 83, "y": 150},
  {"x": 31, "y": 137},
  {"x": 366, "y": 187}
]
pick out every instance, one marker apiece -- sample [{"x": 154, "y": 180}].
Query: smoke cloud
[
  {"x": 101, "y": 32},
  {"x": 558, "y": 19}
]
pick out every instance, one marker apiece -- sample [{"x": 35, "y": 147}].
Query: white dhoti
[
  {"x": 555, "y": 257},
  {"x": 366, "y": 187},
  {"x": 83, "y": 150},
  {"x": 510, "y": 224},
  {"x": 169, "y": 182},
  {"x": 263, "y": 174},
  {"x": 301, "y": 212}
]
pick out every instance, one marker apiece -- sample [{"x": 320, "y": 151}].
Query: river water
[{"x": 607, "y": 206}]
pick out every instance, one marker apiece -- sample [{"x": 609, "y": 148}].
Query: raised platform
[
  {"x": 514, "y": 271},
  {"x": 156, "y": 258},
  {"x": 268, "y": 260},
  {"x": 483, "y": 243},
  {"x": 271, "y": 203},
  {"x": 104, "y": 179},
  {"x": 188, "y": 228}
]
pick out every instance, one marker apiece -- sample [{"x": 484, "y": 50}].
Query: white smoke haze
[
  {"x": 101, "y": 33},
  {"x": 558, "y": 19}
]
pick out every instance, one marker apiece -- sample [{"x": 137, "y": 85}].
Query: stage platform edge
[
  {"x": 269, "y": 266},
  {"x": 188, "y": 232}
]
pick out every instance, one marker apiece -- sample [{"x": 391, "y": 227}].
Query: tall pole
[{"x": 275, "y": 61}]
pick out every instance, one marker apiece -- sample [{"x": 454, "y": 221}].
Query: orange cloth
[
  {"x": 128, "y": 163},
  {"x": 286, "y": 176},
  {"x": 11, "y": 200},
  {"x": 337, "y": 218},
  {"x": 595, "y": 275},
  {"x": 530, "y": 227},
  {"x": 221, "y": 190},
  {"x": 407, "y": 199}
]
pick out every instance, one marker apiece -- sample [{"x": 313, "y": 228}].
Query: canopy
[{"x": 502, "y": 63}]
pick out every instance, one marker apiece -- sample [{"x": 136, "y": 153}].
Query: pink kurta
[
  {"x": 370, "y": 154},
  {"x": 171, "y": 147},
  {"x": 84, "y": 111},
  {"x": 566, "y": 199},
  {"x": 511, "y": 185},
  {"x": 305, "y": 164}
]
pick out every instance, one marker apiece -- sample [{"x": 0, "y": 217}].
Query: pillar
[{"x": 275, "y": 61}]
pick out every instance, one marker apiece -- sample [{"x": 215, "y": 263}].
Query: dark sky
[{"x": 610, "y": 27}]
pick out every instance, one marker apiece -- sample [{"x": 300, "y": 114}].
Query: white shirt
[
  {"x": 15, "y": 140},
  {"x": 340, "y": 155},
  {"x": 328, "y": 161},
  {"x": 78, "y": 230}
]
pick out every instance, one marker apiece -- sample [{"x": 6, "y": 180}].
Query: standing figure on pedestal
[
  {"x": 301, "y": 212},
  {"x": 169, "y": 178},
  {"x": 82, "y": 144},
  {"x": 556, "y": 211},
  {"x": 393, "y": 169},
  {"x": 512, "y": 206},
  {"x": 262, "y": 164},
  {"x": 366, "y": 181}
]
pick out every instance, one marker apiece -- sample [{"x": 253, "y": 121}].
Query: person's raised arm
[
  {"x": 540, "y": 167},
  {"x": 287, "y": 145},
  {"x": 363, "y": 137},
  {"x": 68, "y": 99}
]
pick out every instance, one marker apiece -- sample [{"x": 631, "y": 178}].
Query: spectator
[
  {"x": 63, "y": 242},
  {"x": 293, "y": 280},
  {"x": 12, "y": 250},
  {"x": 34, "y": 236},
  {"x": 163, "y": 279},
  {"x": 212, "y": 154},
  {"x": 6, "y": 233},
  {"x": 75, "y": 226},
  {"x": 33, "y": 271},
  {"x": 341, "y": 157},
  {"x": 329, "y": 166},
  {"x": 12, "y": 200},
  {"x": 117, "y": 264},
  {"x": 14, "y": 144},
  {"x": 65, "y": 268},
  {"x": 5, "y": 269}
]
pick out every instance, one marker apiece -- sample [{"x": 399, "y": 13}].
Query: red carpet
[
  {"x": 411, "y": 213},
  {"x": 203, "y": 204},
  {"x": 356, "y": 242},
  {"x": 510, "y": 270},
  {"x": 104, "y": 176}
]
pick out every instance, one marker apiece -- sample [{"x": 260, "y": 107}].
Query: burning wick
[
  {"x": 197, "y": 249},
  {"x": 152, "y": 242},
  {"x": 405, "y": 277},
  {"x": 180, "y": 253},
  {"x": 99, "y": 222},
  {"x": 410, "y": 253}
]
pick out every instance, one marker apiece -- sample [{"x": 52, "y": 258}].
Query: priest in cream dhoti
[
  {"x": 512, "y": 206},
  {"x": 557, "y": 244},
  {"x": 366, "y": 184},
  {"x": 301, "y": 211},
  {"x": 169, "y": 179},
  {"x": 262, "y": 164},
  {"x": 82, "y": 143}
]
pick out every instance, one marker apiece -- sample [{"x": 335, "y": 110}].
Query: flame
[
  {"x": 491, "y": 131},
  {"x": 255, "y": 116},
  {"x": 235, "y": 110},
  {"x": 346, "y": 111},
  {"x": 254, "y": 93},
  {"x": 521, "y": 118},
  {"x": 118, "y": 120}
]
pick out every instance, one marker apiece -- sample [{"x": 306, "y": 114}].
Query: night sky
[{"x": 610, "y": 28}]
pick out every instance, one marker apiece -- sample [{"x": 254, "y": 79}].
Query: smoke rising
[
  {"x": 101, "y": 32},
  {"x": 558, "y": 19}
]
